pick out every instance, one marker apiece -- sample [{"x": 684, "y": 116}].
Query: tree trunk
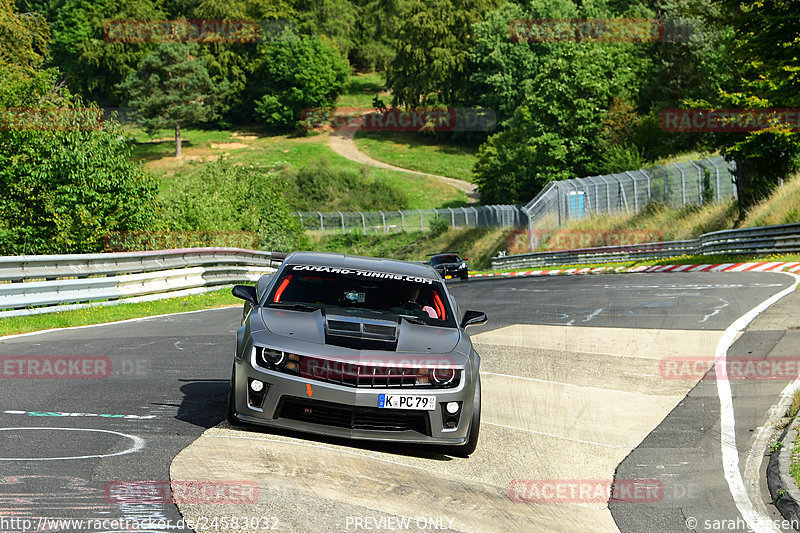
[{"x": 178, "y": 153}]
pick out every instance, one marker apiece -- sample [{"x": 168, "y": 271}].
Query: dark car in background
[
  {"x": 449, "y": 264},
  {"x": 357, "y": 347}
]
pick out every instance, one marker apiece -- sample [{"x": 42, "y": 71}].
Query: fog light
[
  {"x": 452, "y": 407},
  {"x": 256, "y": 385}
]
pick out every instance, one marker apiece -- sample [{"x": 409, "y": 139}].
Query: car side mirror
[
  {"x": 473, "y": 318},
  {"x": 246, "y": 293}
]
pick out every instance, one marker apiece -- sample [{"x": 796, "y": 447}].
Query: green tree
[
  {"x": 92, "y": 62},
  {"x": 766, "y": 64},
  {"x": 172, "y": 87},
  {"x": 553, "y": 101},
  {"x": 293, "y": 73},
  {"x": 431, "y": 64}
]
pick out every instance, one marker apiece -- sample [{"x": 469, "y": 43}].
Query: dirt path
[{"x": 343, "y": 144}]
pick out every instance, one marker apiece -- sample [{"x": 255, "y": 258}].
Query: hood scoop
[{"x": 361, "y": 333}]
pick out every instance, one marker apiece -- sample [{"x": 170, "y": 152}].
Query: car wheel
[
  {"x": 464, "y": 276},
  {"x": 467, "y": 449},
  {"x": 232, "y": 420}
]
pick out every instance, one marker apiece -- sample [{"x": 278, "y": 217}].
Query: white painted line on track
[
  {"x": 756, "y": 518},
  {"x": 139, "y": 319},
  {"x": 138, "y": 444}
]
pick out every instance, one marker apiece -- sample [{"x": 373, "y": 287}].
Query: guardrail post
[
  {"x": 321, "y": 223},
  {"x": 421, "y": 223},
  {"x": 363, "y": 222}
]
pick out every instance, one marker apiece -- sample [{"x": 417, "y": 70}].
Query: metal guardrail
[
  {"x": 754, "y": 241},
  {"x": 43, "y": 283}
]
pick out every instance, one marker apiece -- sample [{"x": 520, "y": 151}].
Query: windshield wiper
[{"x": 294, "y": 306}]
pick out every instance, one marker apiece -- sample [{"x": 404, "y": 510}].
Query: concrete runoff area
[{"x": 532, "y": 429}]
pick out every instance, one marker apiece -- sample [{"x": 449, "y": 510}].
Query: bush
[
  {"x": 236, "y": 198},
  {"x": 63, "y": 191},
  {"x": 320, "y": 187}
]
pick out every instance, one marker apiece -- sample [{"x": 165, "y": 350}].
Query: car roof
[{"x": 336, "y": 260}]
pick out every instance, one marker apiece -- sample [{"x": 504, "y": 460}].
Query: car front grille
[
  {"x": 368, "y": 376},
  {"x": 352, "y": 417}
]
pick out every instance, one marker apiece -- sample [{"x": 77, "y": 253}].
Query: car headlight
[
  {"x": 276, "y": 359},
  {"x": 443, "y": 376}
]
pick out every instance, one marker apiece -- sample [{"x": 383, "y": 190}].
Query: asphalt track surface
[{"x": 65, "y": 443}]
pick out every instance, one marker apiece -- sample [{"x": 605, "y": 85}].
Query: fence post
[
  {"x": 649, "y": 192},
  {"x": 666, "y": 184},
  {"x": 452, "y": 217},
  {"x": 363, "y": 222},
  {"x": 475, "y": 212},
  {"x": 342, "y": 217},
  {"x": 466, "y": 218},
  {"x": 530, "y": 230},
  {"x": 321, "y": 223},
  {"x": 716, "y": 171},
  {"x": 683, "y": 183},
  {"x": 421, "y": 224},
  {"x": 403, "y": 219},
  {"x": 635, "y": 192},
  {"x": 383, "y": 216},
  {"x": 699, "y": 181}
]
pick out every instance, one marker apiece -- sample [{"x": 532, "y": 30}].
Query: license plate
[{"x": 405, "y": 401}]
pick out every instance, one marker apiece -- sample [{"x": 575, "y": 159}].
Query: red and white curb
[{"x": 721, "y": 267}]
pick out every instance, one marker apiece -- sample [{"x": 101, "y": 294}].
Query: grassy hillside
[
  {"x": 281, "y": 152},
  {"x": 420, "y": 152}
]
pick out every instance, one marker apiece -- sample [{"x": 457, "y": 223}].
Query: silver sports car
[{"x": 357, "y": 347}]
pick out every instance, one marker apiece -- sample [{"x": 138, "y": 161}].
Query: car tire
[
  {"x": 464, "y": 276},
  {"x": 468, "y": 448},
  {"x": 231, "y": 410}
]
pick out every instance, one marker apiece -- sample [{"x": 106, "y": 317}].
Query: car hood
[{"x": 303, "y": 326}]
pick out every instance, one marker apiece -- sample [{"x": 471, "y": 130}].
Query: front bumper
[{"x": 348, "y": 412}]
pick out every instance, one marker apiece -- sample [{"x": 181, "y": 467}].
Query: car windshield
[
  {"x": 445, "y": 258},
  {"x": 309, "y": 287}
]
